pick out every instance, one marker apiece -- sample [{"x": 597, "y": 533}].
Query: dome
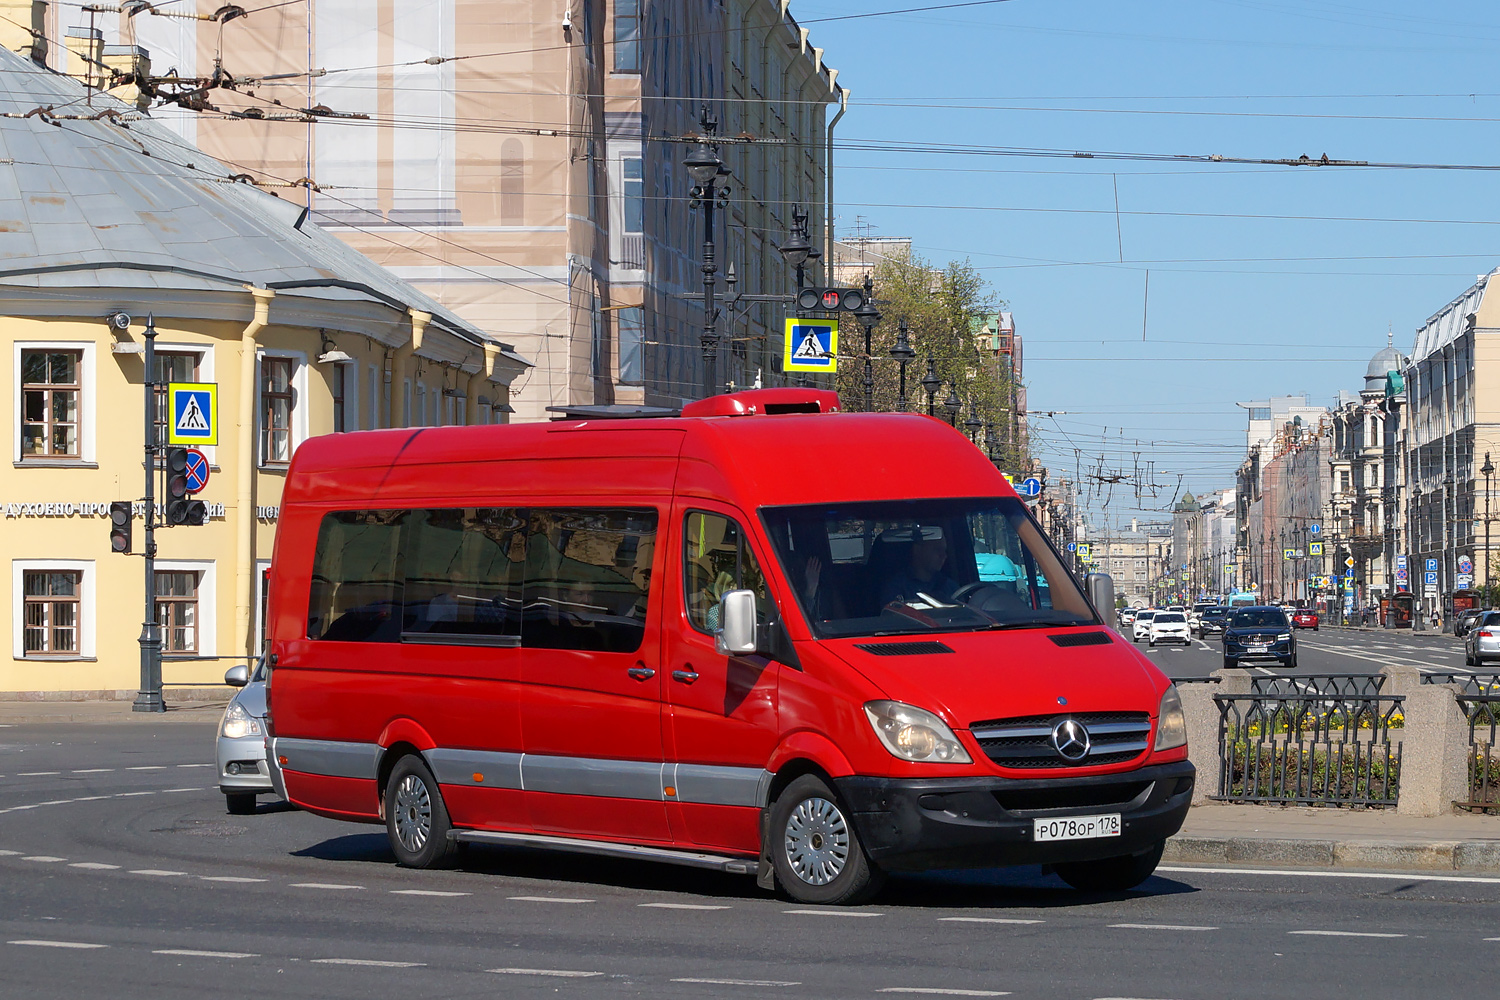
[{"x": 1388, "y": 360}]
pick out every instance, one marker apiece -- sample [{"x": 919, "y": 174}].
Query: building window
[
  {"x": 338, "y": 386},
  {"x": 276, "y": 401},
  {"x": 51, "y": 384},
  {"x": 51, "y": 612},
  {"x": 512, "y": 183},
  {"x": 177, "y": 611},
  {"x": 171, "y": 366},
  {"x": 631, "y": 331},
  {"x": 627, "y": 36},
  {"x": 633, "y": 188}
]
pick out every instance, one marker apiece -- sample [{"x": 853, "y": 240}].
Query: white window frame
[
  {"x": 208, "y": 631},
  {"x": 86, "y": 618},
  {"x": 299, "y": 404},
  {"x": 88, "y": 385}
]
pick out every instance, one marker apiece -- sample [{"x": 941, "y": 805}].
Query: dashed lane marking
[
  {"x": 1403, "y": 876},
  {"x": 1359, "y": 934},
  {"x": 737, "y": 982},
  {"x": 831, "y": 913},
  {"x": 941, "y": 991},
  {"x": 43, "y": 858},
  {"x": 1162, "y": 927},
  {"x": 91, "y": 770},
  {"x": 148, "y": 767},
  {"x": 425, "y": 892},
  {"x": 681, "y": 906},
  {"x": 190, "y": 953},
  {"x": 560, "y": 973},
  {"x": 37, "y": 774},
  {"x": 94, "y": 798},
  {"x": 370, "y": 962},
  {"x": 57, "y": 944},
  {"x": 94, "y": 866},
  {"x": 9, "y": 854},
  {"x": 154, "y": 871},
  {"x": 228, "y": 878},
  {"x": 323, "y": 885},
  {"x": 990, "y": 920},
  {"x": 547, "y": 899},
  {"x": 195, "y": 765}
]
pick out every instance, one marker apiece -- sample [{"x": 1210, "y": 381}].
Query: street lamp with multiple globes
[
  {"x": 707, "y": 171},
  {"x": 869, "y": 318},
  {"x": 903, "y": 354}
]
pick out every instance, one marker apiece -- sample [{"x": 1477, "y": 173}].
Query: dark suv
[
  {"x": 1259, "y": 633},
  {"x": 1211, "y": 621}
]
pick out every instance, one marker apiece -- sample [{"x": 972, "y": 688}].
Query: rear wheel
[
  {"x": 1112, "y": 874},
  {"x": 239, "y": 803},
  {"x": 815, "y": 849},
  {"x": 1230, "y": 663},
  {"x": 415, "y": 818}
]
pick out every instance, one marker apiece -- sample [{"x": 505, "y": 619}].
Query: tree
[{"x": 943, "y": 309}]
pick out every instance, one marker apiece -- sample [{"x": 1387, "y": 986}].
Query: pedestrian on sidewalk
[{"x": 1437, "y": 620}]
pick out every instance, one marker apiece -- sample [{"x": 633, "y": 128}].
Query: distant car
[
  {"x": 1260, "y": 633},
  {"x": 1305, "y": 618},
  {"x": 1211, "y": 621},
  {"x": 1142, "y": 627},
  {"x": 1466, "y": 619},
  {"x": 1483, "y": 641},
  {"x": 1127, "y": 617},
  {"x": 244, "y": 772},
  {"x": 1169, "y": 626}
]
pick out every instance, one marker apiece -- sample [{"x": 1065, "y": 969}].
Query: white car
[
  {"x": 1169, "y": 626},
  {"x": 1142, "y": 627}
]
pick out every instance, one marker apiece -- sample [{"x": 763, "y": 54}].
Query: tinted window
[
  {"x": 356, "y": 582},
  {"x": 1170, "y": 616},
  {"x": 717, "y": 559},
  {"x": 463, "y": 574},
  {"x": 587, "y": 575},
  {"x": 1145, "y": 616},
  {"x": 1257, "y": 618}
]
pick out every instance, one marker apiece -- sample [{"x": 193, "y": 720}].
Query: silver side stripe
[{"x": 705, "y": 784}]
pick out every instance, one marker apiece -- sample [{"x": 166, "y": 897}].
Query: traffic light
[
  {"x": 181, "y": 507},
  {"x": 119, "y": 526},
  {"x": 830, "y": 299}
]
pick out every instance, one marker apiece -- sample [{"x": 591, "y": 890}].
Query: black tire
[
  {"x": 240, "y": 803},
  {"x": 816, "y": 850},
  {"x": 1291, "y": 664},
  {"x": 1112, "y": 874},
  {"x": 416, "y": 821},
  {"x": 1229, "y": 663},
  {"x": 1151, "y": 644}
]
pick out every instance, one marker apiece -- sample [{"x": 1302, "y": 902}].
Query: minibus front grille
[
  {"x": 903, "y": 648},
  {"x": 1026, "y": 742}
]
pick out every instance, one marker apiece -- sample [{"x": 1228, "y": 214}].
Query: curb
[{"x": 1404, "y": 855}]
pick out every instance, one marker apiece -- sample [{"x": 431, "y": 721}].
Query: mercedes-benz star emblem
[{"x": 1070, "y": 739}]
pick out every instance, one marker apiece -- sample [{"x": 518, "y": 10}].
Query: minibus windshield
[{"x": 913, "y": 566}]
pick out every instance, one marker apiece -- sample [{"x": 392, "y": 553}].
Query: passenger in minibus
[{"x": 922, "y": 576}]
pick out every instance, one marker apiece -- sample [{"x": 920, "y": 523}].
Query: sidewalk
[
  {"x": 1306, "y": 837},
  {"x": 26, "y": 713}
]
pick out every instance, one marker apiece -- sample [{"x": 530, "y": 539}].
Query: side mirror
[
  {"x": 1101, "y": 590},
  {"x": 237, "y": 676},
  {"x": 736, "y": 632}
]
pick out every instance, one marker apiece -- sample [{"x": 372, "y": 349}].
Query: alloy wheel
[
  {"x": 816, "y": 841},
  {"x": 413, "y": 814}
]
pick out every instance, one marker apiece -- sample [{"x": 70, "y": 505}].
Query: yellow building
[{"x": 104, "y": 221}]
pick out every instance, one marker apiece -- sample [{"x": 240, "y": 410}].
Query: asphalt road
[
  {"x": 1327, "y": 650},
  {"x": 121, "y": 872}
]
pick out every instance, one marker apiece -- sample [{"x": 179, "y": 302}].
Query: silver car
[
  {"x": 1483, "y": 641},
  {"x": 241, "y": 743}
]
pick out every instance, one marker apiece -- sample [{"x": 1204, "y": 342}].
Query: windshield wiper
[{"x": 1030, "y": 623}]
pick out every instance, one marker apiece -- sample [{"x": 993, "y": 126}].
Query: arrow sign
[{"x": 1030, "y": 487}]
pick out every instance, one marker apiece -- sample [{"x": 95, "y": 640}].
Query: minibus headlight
[
  {"x": 1171, "y": 724},
  {"x": 915, "y": 734},
  {"x": 239, "y": 723}
]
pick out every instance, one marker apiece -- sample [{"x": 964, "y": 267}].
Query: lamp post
[
  {"x": 931, "y": 383},
  {"x": 707, "y": 169},
  {"x": 903, "y": 354},
  {"x": 869, "y": 318},
  {"x": 952, "y": 405},
  {"x": 798, "y": 248},
  {"x": 973, "y": 425},
  {"x": 1487, "y": 470}
]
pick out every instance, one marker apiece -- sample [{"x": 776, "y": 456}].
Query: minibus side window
[
  {"x": 716, "y": 559},
  {"x": 587, "y": 578},
  {"x": 356, "y": 581},
  {"x": 463, "y": 576}
]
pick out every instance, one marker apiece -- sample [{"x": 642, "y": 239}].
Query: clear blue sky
[{"x": 1240, "y": 308}]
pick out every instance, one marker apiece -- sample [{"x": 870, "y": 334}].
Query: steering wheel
[{"x": 962, "y": 594}]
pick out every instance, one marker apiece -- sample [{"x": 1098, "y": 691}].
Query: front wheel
[
  {"x": 815, "y": 849},
  {"x": 1229, "y": 663},
  {"x": 415, "y": 818},
  {"x": 1112, "y": 874},
  {"x": 240, "y": 803}
]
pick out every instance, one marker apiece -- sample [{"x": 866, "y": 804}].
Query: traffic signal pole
[{"x": 149, "y": 698}]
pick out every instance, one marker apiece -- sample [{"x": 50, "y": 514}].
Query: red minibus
[{"x": 759, "y": 636}]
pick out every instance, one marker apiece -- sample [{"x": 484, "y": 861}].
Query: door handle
[
  {"x": 641, "y": 673},
  {"x": 685, "y": 676}
]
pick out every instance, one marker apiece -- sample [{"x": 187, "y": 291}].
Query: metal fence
[
  {"x": 1482, "y": 709},
  {"x": 1299, "y": 741}
]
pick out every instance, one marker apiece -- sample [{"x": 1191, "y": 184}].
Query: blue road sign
[
  {"x": 1314, "y": 528},
  {"x": 1031, "y": 486},
  {"x": 1429, "y": 579},
  {"x": 1072, "y": 546},
  {"x": 196, "y": 472},
  {"x": 1432, "y": 565},
  {"x": 194, "y": 408}
]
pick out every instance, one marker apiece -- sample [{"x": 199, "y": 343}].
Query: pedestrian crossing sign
[
  {"x": 1314, "y": 548},
  {"x": 194, "y": 410},
  {"x": 812, "y": 345}
]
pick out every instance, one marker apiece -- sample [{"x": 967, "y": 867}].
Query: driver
[{"x": 922, "y": 580}]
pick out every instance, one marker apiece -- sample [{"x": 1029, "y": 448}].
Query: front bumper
[
  {"x": 1279, "y": 651},
  {"x": 242, "y": 764},
  {"x": 920, "y": 824}
]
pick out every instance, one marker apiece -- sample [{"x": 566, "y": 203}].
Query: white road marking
[
  {"x": 370, "y": 962},
  {"x": 189, "y": 953},
  {"x": 166, "y": 790},
  {"x": 228, "y": 878},
  {"x": 1405, "y": 876},
  {"x": 1384, "y": 658},
  {"x": 425, "y": 892},
  {"x": 195, "y": 765},
  {"x": 738, "y": 982},
  {"x": 44, "y": 858},
  {"x": 990, "y": 920},
  {"x": 91, "y": 770},
  {"x": 938, "y": 991},
  {"x": 58, "y": 944},
  {"x": 154, "y": 871},
  {"x": 9, "y": 854},
  {"x": 1363, "y": 934},
  {"x": 1492, "y": 939},
  {"x": 563, "y": 973},
  {"x": 121, "y": 795},
  {"x": 831, "y": 913},
  {"x": 1163, "y": 927},
  {"x": 323, "y": 885},
  {"x": 148, "y": 767},
  {"x": 36, "y": 774},
  {"x": 681, "y": 906},
  {"x": 547, "y": 899},
  {"x": 94, "y": 866}
]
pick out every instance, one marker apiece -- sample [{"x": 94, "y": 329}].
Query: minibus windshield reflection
[{"x": 939, "y": 565}]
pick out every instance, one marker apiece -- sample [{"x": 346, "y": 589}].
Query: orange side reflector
[
  {"x": 670, "y": 790},
  {"x": 281, "y": 761},
  {"x": 478, "y": 776}
]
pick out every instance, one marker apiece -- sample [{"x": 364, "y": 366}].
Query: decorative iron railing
[
  {"x": 1482, "y": 709},
  {"x": 1314, "y": 747},
  {"x": 1320, "y": 685}
]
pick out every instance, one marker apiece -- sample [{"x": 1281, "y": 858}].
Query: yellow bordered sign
[
  {"x": 811, "y": 345},
  {"x": 192, "y": 413}
]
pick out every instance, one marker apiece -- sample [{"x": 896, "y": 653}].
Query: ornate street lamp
[
  {"x": 952, "y": 405},
  {"x": 1488, "y": 471},
  {"x": 931, "y": 383},
  {"x": 903, "y": 354},
  {"x": 798, "y": 248},
  {"x": 973, "y": 424},
  {"x": 869, "y": 318},
  {"x": 707, "y": 170}
]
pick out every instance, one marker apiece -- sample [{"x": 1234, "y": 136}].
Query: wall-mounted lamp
[{"x": 331, "y": 354}]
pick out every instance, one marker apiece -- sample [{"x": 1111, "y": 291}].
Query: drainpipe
[
  {"x": 247, "y": 461},
  {"x": 828, "y": 171},
  {"x": 399, "y": 373},
  {"x": 478, "y": 380}
]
